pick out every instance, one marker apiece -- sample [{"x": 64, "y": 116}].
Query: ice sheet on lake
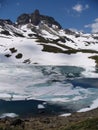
[{"x": 47, "y": 83}]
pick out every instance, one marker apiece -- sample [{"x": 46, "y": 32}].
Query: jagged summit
[{"x": 36, "y": 18}]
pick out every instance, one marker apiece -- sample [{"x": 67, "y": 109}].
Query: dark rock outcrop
[
  {"x": 67, "y": 31},
  {"x": 13, "y": 50},
  {"x": 50, "y": 21},
  {"x": 7, "y": 21},
  {"x": 7, "y": 55},
  {"x": 23, "y": 19},
  {"x": 35, "y": 18},
  {"x": 5, "y": 32},
  {"x": 19, "y": 56}
]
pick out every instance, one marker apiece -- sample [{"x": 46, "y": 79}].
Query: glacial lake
[{"x": 28, "y": 90}]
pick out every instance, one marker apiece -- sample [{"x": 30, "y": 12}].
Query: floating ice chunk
[
  {"x": 44, "y": 103},
  {"x": 40, "y": 106},
  {"x": 11, "y": 115}
]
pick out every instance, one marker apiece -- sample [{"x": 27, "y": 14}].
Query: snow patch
[{"x": 65, "y": 115}]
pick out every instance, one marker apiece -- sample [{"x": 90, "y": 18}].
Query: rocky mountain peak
[
  {"x": 36, "y": 12},
  {"x": 35, "y": 18},
  {"x": 23, "y": 19}
]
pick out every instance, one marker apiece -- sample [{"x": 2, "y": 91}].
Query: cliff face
[{"x": 36, "y": 18}]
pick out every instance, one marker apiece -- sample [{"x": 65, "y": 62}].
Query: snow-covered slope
[{"x": 43, "y": 44}]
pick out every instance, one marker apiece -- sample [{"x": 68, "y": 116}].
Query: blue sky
[{"x": 79, "y": 15}]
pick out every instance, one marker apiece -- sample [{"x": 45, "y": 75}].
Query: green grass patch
[
  {"x": 53, "y": 49},
  {"x": 50, "y": 48},
  {"x": 89, "y": 124}
]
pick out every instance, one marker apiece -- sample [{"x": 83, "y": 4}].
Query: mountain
[
  {"x": 40, "y": 39},
  {"x": 36, "y": 18}
]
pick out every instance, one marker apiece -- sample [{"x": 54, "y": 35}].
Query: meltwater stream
[{"x": 34, "y": 90}]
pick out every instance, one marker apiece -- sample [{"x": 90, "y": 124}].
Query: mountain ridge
[
  {"x": 45, "y": 35},
  {"x": 35, "y": 18}
]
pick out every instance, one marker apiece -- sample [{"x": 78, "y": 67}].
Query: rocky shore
[{"x": 52, "y": 123}]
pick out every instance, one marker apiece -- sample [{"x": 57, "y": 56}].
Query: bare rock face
[
  {"x": 49, "y": 21},
  {"x": 23, "y": 19},
  {"x": 35, "y": 18}
]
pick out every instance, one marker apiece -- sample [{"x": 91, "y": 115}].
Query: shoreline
[
  {"x": 46, "y": 122},
  {"x": 37, "y": 108}
]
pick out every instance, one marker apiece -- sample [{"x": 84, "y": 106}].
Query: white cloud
[
  {"x": 79, "y": 7},
  {"x": 93, "y": 26},
  {"x": 96, "y": 20}
]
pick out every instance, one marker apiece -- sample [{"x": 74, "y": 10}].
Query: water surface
[{"x": 58, "y": 89}]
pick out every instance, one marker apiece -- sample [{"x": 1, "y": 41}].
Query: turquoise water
[{"x": 63, "y": 88}]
